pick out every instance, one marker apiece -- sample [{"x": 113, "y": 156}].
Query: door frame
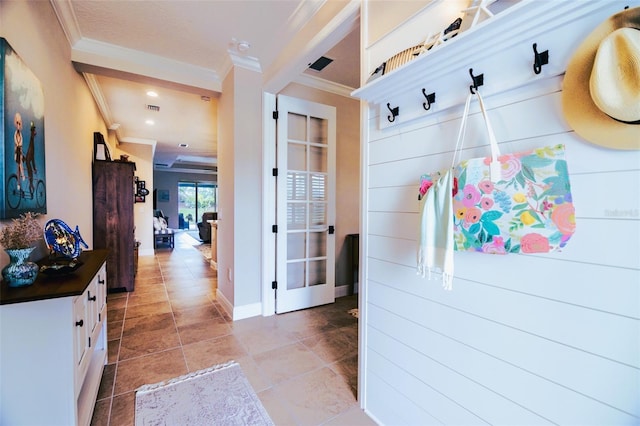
[{"x": 269, "y": 105}]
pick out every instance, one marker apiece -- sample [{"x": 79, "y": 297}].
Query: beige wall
[
  {"x": 71, "y": 116},
  {"x": 142, "y": 155},
  {"x": 240, "y": 195},
  {"x": 347, "y": 169},
  {"x": 226, "y": 188}
]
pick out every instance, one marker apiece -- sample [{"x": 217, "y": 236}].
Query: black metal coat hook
[
  {"x": 478, "y": 80},
  {"x": 539, "y": 59},
  {"x": 431, "y": 98},
  {"x": 394, "y": 113}
]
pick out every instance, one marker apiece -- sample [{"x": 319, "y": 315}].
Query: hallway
[{"x": 303, "y": 365}]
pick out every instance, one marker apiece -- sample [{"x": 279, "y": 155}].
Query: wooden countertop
[{"x": 51, "y": 286}]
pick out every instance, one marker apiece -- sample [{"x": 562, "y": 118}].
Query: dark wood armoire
[{"x": 113, "y": 226}]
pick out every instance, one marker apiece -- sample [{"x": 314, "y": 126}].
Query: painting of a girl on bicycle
[{"x": 23, "y": 186}]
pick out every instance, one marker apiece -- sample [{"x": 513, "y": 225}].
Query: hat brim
[{"x": 580, "y": 111}]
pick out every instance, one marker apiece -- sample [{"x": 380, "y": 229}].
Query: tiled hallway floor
[{"x": 303, "y": 365}]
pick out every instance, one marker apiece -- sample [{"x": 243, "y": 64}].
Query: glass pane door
[
  {"x": 195, "y": 198},
  {"x": 306, "y": 251},
  {"x": 306, "y": 201}
]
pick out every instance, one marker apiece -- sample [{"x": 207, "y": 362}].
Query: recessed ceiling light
[
  {"x": 150, "y": 122},
  {"x": 183, "y": 145},
  {"x": 152, "y": 94},
  {"x": 240, "y": 46}
]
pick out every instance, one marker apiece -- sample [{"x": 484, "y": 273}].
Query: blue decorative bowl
[{"x": 62, "y": 240}]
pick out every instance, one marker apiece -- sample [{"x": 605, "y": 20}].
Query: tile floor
[{"x": 303, "y": 365}]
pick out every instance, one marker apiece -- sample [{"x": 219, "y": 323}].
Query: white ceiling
[{"x": 183, "y": 49}]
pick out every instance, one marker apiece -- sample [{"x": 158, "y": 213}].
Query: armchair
[{"x": 204, "y": 228}]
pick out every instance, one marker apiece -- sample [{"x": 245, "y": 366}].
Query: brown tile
[
  {"x": 123, "y": 410},
  {"x": 303, "y": 326},
  {"x": 113, "y": 348},
  {"x": 147, "y": 309},
  {"x": 133, "y": 373},
  {"x": 139, "y": 344},
  {"x": 286, "y": 362},
  {"x": 174, "y": 274},
  {"x": 333, "y": 345},
  {"x": 206, "y": 330},
  {"x": 143, "y": 278},
  {"x": 254, "y": 373},
  {"x": 206, "y": 353},
  {"x": 348, "y": 369},
  {"x": 119, "y": 302},
  {"x": 101, "y": 413},
  {"x": 189, "y": 301},
  {"x": 147, "y": 296},
  {"x": 354, "y": 416},
  {"x": 276, "y": 408},
  {"x": 114, "y": 314},
  {"x": 116, "y": 294},
  {"x": 316, "y": 397},
  {"x": 265, "y": 324},
  {"x": 114, "y": 330},
  {"x": 106, "y": 384},
  {"x": 147, "y": 323},
  {"x": 197, "y": 314}
]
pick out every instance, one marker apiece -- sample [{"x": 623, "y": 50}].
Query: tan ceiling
[{"x": 183, "y": 49}]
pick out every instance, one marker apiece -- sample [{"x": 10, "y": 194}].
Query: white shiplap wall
[{"x": 522, "y": 339}]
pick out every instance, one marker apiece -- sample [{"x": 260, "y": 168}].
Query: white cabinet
[{"x": 53, "y": 346}]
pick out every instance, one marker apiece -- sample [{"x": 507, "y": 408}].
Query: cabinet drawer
[{"x": 82, "y": 328}]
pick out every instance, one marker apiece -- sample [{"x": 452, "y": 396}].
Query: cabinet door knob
[
  {"x": 100, "y": 281},
  {"x": 79, "y": 323},
  {"x": 92, "y": 299}
]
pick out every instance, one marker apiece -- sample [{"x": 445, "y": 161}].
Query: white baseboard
[
  {"x": 343, "y": 290},
  {"x": 238, "y": 312},
  {"x": 247, "y": 311},
  {"x": 226, "y": 305}
]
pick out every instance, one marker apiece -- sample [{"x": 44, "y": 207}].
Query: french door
[{"x": 305, "y": 192}]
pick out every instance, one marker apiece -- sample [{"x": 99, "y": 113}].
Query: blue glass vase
[{"x": 20, "y": 271}]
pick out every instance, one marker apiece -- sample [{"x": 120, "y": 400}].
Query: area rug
[
  {"x": 205, "y": 249},
  {"x": 219, "y": 395}
]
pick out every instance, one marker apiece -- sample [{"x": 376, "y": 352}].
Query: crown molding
[
  {"x": 67, "y": 18},
  {"x": 105, "y": 55},
  {"x": 101, "y": 102},
  {"x": 324, "y": 85},
  {"x": 243, "y": 61}
]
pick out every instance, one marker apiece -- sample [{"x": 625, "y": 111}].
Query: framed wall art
[
  {"x": 22, "y": 174},
  {"x": 163, "y": 195},
  {"x": 141, "y": 190}
]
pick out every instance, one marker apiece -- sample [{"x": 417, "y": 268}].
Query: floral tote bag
[{"x": 510, "y": 203}]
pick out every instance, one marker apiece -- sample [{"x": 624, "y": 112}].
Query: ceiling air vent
[
  {"x": 320, "y": 63},
  {"x": 155, "y": 108}
]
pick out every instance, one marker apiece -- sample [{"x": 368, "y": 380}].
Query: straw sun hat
[{"x": 601, "y": 88}]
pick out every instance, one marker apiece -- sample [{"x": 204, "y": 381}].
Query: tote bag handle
[{"x": 495, "y": 151}]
